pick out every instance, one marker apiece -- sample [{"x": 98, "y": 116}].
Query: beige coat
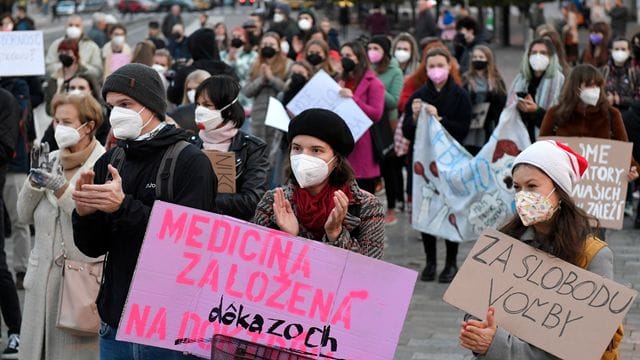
[{"x": 39, "y": 337}]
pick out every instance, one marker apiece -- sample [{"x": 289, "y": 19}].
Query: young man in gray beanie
[{"x": 111, "y": 216}]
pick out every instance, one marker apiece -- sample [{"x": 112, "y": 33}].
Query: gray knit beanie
[{"x": 141, "y": 83}]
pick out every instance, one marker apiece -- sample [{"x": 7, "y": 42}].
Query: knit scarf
[
  {"x": 313, "y": 211},
  {"x": 71, "y": 161},
  {"x": 219, "y": 139},
  {"x": 547, "y": 94}
]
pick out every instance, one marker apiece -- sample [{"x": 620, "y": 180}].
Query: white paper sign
[
  {"x": 22, "y": 53},
  {"x": 323, "y": 92},
  {"x": 277, "y": 116}
]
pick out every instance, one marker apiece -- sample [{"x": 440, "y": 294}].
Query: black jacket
[
  {"x": 9, "y": 118},
  {"x": 204, "y": 51},
  {"x": 453, "y": 104},
  {"x": 251, "y": 177},
  {"x": 121, "y": 233}
]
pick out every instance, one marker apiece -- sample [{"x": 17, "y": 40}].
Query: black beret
[{"x": 324, "y": 125}]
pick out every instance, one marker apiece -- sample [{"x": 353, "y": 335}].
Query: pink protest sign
[{"x": 200, "y": 274}]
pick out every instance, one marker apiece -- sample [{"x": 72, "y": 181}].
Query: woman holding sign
[
  {"x": 584, "y": 111},
  {"x": 449, "y": 104},
  {"x": 544, "y": 175},
  {"x": 45, "y": 200},
  {"x": 219, "y": 116},
  {"x": 321, "y": 199}
]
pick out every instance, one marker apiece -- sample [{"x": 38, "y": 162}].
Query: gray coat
[
  {"x": 40, "y": 339},
  {"x": 508, "y": 347},
  {"x": 261, "y": 90}
]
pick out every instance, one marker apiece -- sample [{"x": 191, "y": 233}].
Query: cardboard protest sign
[
  {"x": 323, "y": 92},
  {"x": 561, "y": 308},
  {"x": 277, "y": 116},
  {"x": 224, "y": 164},
  {"x": 479, "y": 115},
  {"x": 602, "y": 192},
  {"x": 22, "y": 53},
  {"x": 457, "y": 195},
  {"x": 200, "y": 274}
]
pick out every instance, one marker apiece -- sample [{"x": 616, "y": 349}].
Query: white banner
[
  {"x": 455, "y": 195},
  {"x": 22, "y": 53},
  {"x": 323, "y": 92}
]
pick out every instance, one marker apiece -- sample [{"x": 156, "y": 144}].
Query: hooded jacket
[
  {"x": 205, "y": 55},
  {"x": 121, "y": 233}
]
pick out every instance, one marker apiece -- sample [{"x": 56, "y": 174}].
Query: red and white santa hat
[{"x": 563, "y": 165}]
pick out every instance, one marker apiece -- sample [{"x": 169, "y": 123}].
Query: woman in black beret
[{"x": 321, "y": 199}]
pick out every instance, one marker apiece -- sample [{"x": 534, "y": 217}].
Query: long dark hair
[
  {"x": 363, "y": 60},
  {"x": 570, "y": 96},
  {"x": 570, "y": 227},
  {"x": 222, "y": 90}
]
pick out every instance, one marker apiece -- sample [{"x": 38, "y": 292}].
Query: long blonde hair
[
  {"x": 494, "y": 79},
  {"x": 278, "y": 64},
  {"x": 198, "y": 76}
]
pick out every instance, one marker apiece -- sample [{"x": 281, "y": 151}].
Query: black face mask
[
  {"x": 297, "y": 81},
  {"x": 268, "y": 52},
  {"x": 479, "y": 64},
  {"x": 636, "y": 51},
  {"x": 65, "y": 59},
  {"x": 237, "y": 43},
  {"x": 177, "y": 36},
  {"x": 347, "y": 65},
  {"x": 314, "y": 59}
]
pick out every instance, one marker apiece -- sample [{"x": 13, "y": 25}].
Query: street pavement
[{"x": 431, "y": 327}]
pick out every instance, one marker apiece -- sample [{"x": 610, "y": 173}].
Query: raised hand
[
  {"x": 285, "y": 217},
  {"x": 53, "y": 180},
  {"x": 106, "y": 197},
  {"x": 83, "y": 208},
  {"x": 333, "y": 225},
  {"x": 477, "y": 336}
]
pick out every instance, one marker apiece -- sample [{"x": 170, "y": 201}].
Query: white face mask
[
  {"x": 304, "y": 24},
  {"x": 118, "y": 40},
  {"x": 73, "y": 32},
  {"x": 208, "y": 119},
  {"x": 590, "y": 95},
  {"x": 278, "y": 18},
  {"x": 191, "y": 96},
  {"x": 66, "y": 136},
  {"x": 126, "y": 123},
  {"x": 284, "y": 47},
  {"x": 76, "y": 92},
  {"x": 159, "y": 68},
  {"x": 620, "y": 56},
  {"x": 539, "y": 62},
  {"x": 309, "y": 170},
  {"x": 402, "y": 55}
]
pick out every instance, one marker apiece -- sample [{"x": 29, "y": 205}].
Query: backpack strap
[
  {"x": 116, "y": 160},
  {"x": 164, "y": 178}
]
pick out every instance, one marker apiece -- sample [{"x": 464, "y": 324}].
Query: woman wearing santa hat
[{"x": 544, "y": 175}]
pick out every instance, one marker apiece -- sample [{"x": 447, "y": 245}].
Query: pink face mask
[
  {"x": 374, "y": 56},
  {"x": 438, "y": 75}
]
